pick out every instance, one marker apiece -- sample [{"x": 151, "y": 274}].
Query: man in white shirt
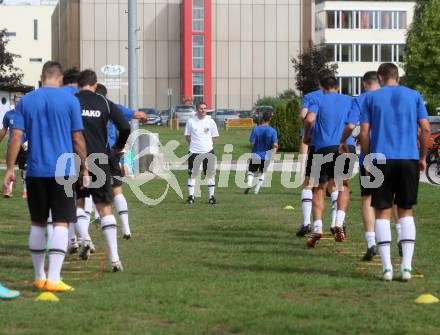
[{"x": 201, "y": 133}]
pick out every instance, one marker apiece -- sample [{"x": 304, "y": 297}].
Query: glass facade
[
  {"x": 198, "y": 15},
  {"x": 198, "y": 50},
  {"x": 360, "y": 19},
  {"x": 346, "y": 53},
  {"x": 198, "y": 81},
  {"x": 350, "y": 85}
]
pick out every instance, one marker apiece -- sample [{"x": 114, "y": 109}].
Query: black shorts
[
  {"x": 103, "y": 194},
  {"x": 256, "y": 165},
  {"x": 310, "y": 152},
  {"x": 400, "y": 185},
  {"x": 328, "y": 169},
  {"x": 21, "y": 159},
  {"x": 192, "y": 168},
  {"x": 363, "y": 173},
  {"x": 46, "y": 194},
  {"x": 115, "y": 170}
]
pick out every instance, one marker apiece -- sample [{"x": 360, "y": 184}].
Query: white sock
[
  {"x": 306, "y": 205},
  {"x": 72, "y": 235},
  {"x": 49, "y": 226},
  {"x": 57, "y": 252},
  {"x": 334, "y": 196},
  {"x": 37, "y": 247},
  {"x": 340, "y": 218},
  {"x": 260, "y": 182},
  {"x": 370, "y": 237},
  {"x": 82, "y": 224},
  {"x": 88, "y": 206},
  {"x": 191, "y": 185},
  {"x": 122, "y": 208},
  {"x": 109, "y": 228},
  {"x": 408, "y": 240},
  {"x": 23, "y": 178},
  {"x": 211, "y": 187},
  {"x": 317, "y": 226},
  {"x": 398, "y": 231},
  {"x": 250, "y": 179},
  {"x": 383, "y": 236}
]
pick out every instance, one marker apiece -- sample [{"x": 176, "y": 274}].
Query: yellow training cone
[
  {"x": 47, "y": 296},
  {"x": 426, "y": 299},
  {"x": 289, "y": 207}
]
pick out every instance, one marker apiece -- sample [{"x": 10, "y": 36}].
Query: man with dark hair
[
  {"x": 201, "y": 133},
  {"x": 49, "y": 108},
  {"x": 327, "y": 116},
  {"x": 115, "y": 168},
  {"x": 370, "y": 81},
  {"x": 70, "y": 80},
  {"x": 264, "y": 141},
  {"x": 8, "y": 122},
  {"x": 386, "y": 113},
  {"x": 96, "y": 113}
]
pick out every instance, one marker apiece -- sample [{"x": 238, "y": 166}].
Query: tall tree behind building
[{"x": 9, "y": 74}]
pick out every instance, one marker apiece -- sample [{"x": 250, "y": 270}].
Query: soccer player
[
  {"x": 96, "y": 113},
  {"x": 114, "y": 163},
  {"x": 388, "y": 113},
  {"x": 327, "y": 116},
  {"x": 201, "y": 133},
  {"x": 51, "y": 119},
  {"x": 370, "y": 83},
  {"x": 70, "y": 80},
  {"x": 8, "y": 122},
  {"x": 307, "y": 191},
  {"x": 263, "y": 139}
]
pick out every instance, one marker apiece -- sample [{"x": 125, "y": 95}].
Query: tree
[
  {"x": 9, "y": 74},
  {"x": 287, "y": 124},
  {"x": 422, "y": 52},
  {"x": 307, "y": 66}
]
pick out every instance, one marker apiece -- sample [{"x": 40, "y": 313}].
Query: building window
[
  {"x": 400, "y": 52},
  {"x": 346, "y": 19},
  {"x": 367, "y": 53},
  {"x": 386, "y": 53},
  {"x": 386, "y": 20},
  {"x": 367, "y": 20},
  {"x": 198, "y": 15},
  {"x": 344, "y": 53},
  {"x": 331, "y": 19},
  {"x": 198, "y": 52},
  {"x": 330, "y": 52},
  {"x": 198, "y": 84},
  {"x": 35, "y": 30},
  {"x": 402, "y": 20},
  {"x": 35, "y": 60}
]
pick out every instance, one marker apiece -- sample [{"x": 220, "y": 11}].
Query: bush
[{"x": 287, "y": 124}]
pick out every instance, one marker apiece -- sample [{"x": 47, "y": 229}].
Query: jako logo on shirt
[{"x": 91, "y": 113}]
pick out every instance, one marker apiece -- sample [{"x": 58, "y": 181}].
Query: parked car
[
  {"x": 183, "y": 113},
  {"x": 257, "y": 113},
  {"x": 153, "y": 116},
  {"x": 221, "y": 115},
  {"x": 210, "y": 113},
  {"x": 165, "y": 116},
  {"x": 244, "y": 114}
]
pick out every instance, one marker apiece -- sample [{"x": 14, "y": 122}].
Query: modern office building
[
  {"x": 359, "y": 35},
  {"x": 226, "y": 52},
  {"x": 29, "y": 30}
]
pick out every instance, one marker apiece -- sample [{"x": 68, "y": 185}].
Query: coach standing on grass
[
  {"x": 390, "y": 119},
  {"x": 51, "y": 119},
  {"x": 201, "y": 133}
]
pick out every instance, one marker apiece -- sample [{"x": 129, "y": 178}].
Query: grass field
[{"x": 233, "y": 269}]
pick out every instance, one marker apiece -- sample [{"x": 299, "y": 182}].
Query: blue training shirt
[
  {"x": 8, "y": 122},
  {"x": 393, "y": 113},
  {"x": 331, "y": 113},
  {"x": 111, "y": 129},
  {"x": 354, "y": 116},
  {"x": 263, "y": 138},
  {"x": 70, "y": 89},
  {"x": 48, "y": 116},
  {"x": 309, "y": 100}
]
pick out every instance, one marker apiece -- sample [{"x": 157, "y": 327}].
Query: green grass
[{"x": 233, "y": 269}]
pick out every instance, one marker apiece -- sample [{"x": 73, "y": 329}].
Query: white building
[
  {"x": 29, "y": 29},
  {"x": 359, "y": 35}
]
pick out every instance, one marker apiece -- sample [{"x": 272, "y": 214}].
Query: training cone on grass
[
  {"x": 289, "y": 207},
  {"x": 47, "y": 296},
  {"x": 427, "y": 299}
]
